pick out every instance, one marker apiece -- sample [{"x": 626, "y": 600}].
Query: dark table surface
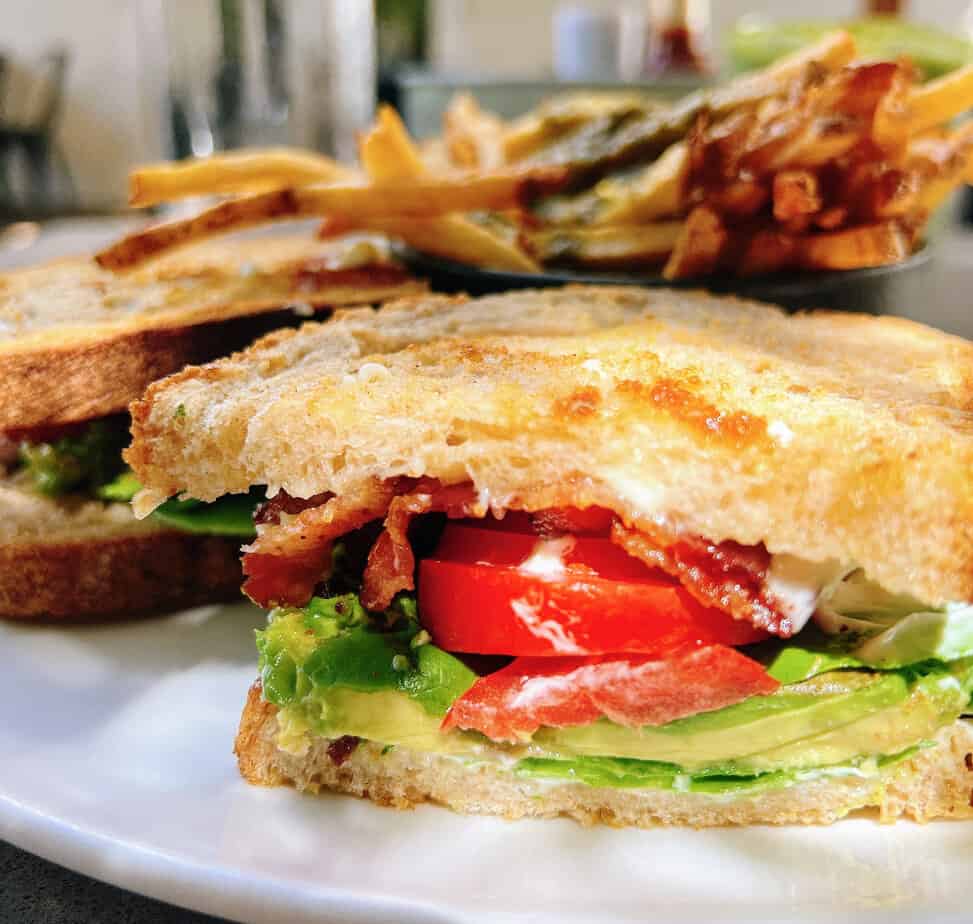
[{"x": 33, "y": 890}]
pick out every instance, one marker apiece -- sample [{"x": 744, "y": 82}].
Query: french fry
[
  {"x": 473, "y": 137},
  {"x": 941, "y": 100},
  {"x": 796, "y": 195},
  {"x": 421, "y": 197},
  {"x": 875, "y": 190},
  {"x": 891, "y": 121},
  {"x": 854, "y": 248},
  {"x": 942, "y": 163},
  {"x": 771, "y": 250},
  {"x": 451, "y": 237},
  {"x": 244, "y": 212},
  {"x": 831, "y": 218},
  {"x": 425, "y": 196},
  {"x": 818, "y": 162},
  {"x": 236, "y": 172},
  {"x": 604, "y": 247},
  {"x": 658, "y": 191},
  {"x": 387, "y": 153},
  {"x": 831, "y": 119},
  {"x": 738, "y": 198},
  {"x": 699, "y": 247},
  {"x": 830, "y": 52}
]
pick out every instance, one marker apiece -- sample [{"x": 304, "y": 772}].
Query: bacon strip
[
  {"x": 726, "y": 575},
  {"x": 289, "y": 559},
  {"x": 391, "y": 562},
  {"x": 282, "y": 503}
]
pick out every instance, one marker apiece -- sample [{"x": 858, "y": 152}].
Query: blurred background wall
[
  {"x": 513, "y": 37},
  {"x": 126, "y": 61},
  {"x": 98, "y": 122}
]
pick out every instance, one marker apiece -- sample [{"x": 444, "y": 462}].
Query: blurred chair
[{"x": 29, "y": 109}]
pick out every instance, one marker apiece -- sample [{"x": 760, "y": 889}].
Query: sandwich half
[
  {"x": 77, "y": 344},
  {"x": 631, "y": 556}
]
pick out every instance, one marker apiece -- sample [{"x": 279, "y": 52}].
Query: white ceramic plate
[{"x": 115, "y": 760}]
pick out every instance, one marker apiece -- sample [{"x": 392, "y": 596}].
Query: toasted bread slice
[
  {"x": 827, "y": 436},
  {"x": 78, "y": 559},
  {"x": 77, "y": 341},
  {"x": 935, "y": 783}
]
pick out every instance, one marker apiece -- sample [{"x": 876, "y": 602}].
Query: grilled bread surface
[
  {"x": 828, "y": 436},
  {"x": 77, "y": 341}
]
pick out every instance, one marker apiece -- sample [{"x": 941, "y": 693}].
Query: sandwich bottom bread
[
  {"x": 71, "y": 549},
  {"x": 934, "y": 783},
  {"x": 633, "y": 557}
]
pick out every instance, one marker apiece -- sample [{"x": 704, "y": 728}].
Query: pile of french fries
[{"x": 819, "y": 162}]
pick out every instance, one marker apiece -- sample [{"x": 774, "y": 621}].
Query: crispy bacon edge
[{"x": 292, "y": 553}]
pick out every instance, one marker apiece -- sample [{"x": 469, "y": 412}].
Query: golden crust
[
  {"x": 78, "y": 342},
  {"x": 936, "y": 783},
  {"x": 823, "y": 435},
  {"x": 116, "y": 577}
]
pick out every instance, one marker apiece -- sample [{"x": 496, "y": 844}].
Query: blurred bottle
[
  {"x": 678, "y": 40},
  {"x": 883, "y": 8},
  {"x": 585, "y": 44}
]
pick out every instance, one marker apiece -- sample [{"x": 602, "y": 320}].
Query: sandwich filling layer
[
  {"x": 80, "y": 466},
  {"x": 567, "y": 643}
]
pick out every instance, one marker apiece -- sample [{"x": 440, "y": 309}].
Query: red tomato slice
[
  {"x": 466, "y": 542},
  {"x": 489, "y": 592},
  {"x": 528, "y": 693},
  {"x": 587, "y": 521}
]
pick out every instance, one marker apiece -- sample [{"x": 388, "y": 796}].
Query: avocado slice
[
  {"x": 386, "y": 716},
  {"x": 755, "y": 726},
  {"x": 933, "y": 701},
  {"x": 865, "y": 715}
]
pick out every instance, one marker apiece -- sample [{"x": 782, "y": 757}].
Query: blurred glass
[{"x": 244, "y": 73}]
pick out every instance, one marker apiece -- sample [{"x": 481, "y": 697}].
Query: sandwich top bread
[
  {"x": 78, "y": 341},
  {"x": 828, "y": 436},
  {"x": 77, "y": 344},
  {"x": 629, "y": 555}
]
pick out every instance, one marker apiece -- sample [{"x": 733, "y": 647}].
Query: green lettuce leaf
[
  {"x": 230, "y": 516},
  {"x": 88, "y": 460},
  {"x": 623, "y": 773}
]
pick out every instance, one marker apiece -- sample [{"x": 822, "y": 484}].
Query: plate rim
[{"x": 195, "y": 886}]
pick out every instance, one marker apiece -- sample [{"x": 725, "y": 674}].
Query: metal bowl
[{"x": 878, "y": 290}]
